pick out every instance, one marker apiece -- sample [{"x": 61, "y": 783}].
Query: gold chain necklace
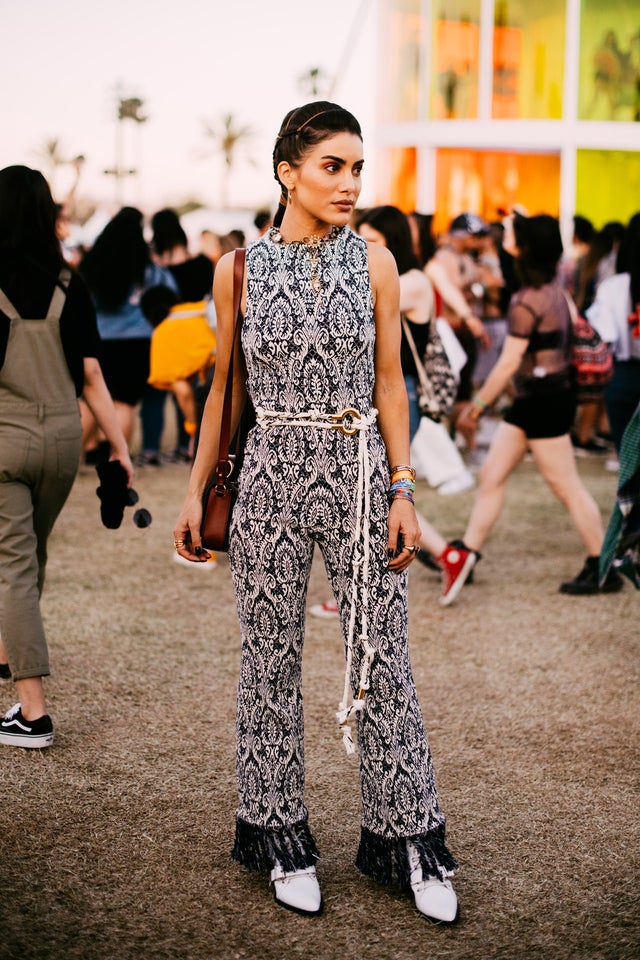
[{"x": 314, "y": 244}]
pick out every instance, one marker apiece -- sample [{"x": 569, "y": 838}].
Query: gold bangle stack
[{"x": 403, "y": 471}]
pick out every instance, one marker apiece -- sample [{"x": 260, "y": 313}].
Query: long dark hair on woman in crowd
[
  {"x": 424, "y": 243},
  {"x": 392, "y": 223},
  {"x": 540, "y": 248},
  {"x": 167, "y": 231},
  {"x": 628, "y": 260},
  {"x": 28, "y": 236},
  {"x": 602, "y": 244},
  {"x": 118, "y": 259},
  {"x": 301, "y": 130}
]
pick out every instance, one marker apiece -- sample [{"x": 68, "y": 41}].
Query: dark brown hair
[
  {"x": 540, "y": 248},
  {"x": 302, "y": 129},
  {"x": 28, "y": 216}
]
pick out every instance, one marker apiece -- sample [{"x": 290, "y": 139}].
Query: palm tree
[
  {"x": 52, "y": 157},
  {"x": 313, "y": 82},
  {"x": 129, "y": 108},
  {"x": 226, "y": 140}
]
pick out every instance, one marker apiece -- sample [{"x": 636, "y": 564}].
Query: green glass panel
[
  {"x": 528, "y": 59},
  {"x": 609, "y": 60},
  {"x": 608, "y": 185}
]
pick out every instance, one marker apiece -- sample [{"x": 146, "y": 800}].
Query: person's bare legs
[
  {"x": 126, "y": 419},
  {"x": 92, "y": 436},
  {"x": 556, "y": 462},
  {"x": 30, "y": 692},
  {"x": 31, "y": 696},
  {"x": 430, "y": 539},
  {"x": 508, "y": 447}
]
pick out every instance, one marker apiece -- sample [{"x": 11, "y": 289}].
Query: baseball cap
[{"x": 469, "y": 224}]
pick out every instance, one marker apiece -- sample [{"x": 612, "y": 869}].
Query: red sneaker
[
  {"x": 457, "y": 563},
  {"x": 328, "y": 609}
]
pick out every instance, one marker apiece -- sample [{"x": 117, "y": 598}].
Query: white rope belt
[{"x": 349, "y": 422}]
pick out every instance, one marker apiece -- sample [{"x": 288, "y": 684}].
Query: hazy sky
[{"x": 189, "y": 60}]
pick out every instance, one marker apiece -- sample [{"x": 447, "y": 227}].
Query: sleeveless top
[
  {"x": 542, "y": 317},
  {"x": 308, "y": 335}
]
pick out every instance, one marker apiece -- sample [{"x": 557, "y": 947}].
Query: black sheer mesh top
[{"x": 542, "y": 317}]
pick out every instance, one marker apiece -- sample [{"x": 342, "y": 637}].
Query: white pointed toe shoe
[
  {"x": 435, "y": 899},
  {"x": 297, "y": 890}
]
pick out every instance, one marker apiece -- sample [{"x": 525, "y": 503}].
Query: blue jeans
[
  {"x": 622, "y": 396},
  {"x": 411, "y": 383},
  {"x": 152, "y": 416}
]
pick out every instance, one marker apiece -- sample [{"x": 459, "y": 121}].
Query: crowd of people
[{"x": 338, "y": 304}]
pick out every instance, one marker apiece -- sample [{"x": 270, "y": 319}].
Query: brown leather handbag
[{"x": 221, "y": 494}]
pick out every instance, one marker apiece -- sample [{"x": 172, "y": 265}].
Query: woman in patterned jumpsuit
[{"x": 320, "y": 361}]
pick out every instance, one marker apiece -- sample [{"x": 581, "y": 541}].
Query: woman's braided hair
[{"x": 302, "y": 129}]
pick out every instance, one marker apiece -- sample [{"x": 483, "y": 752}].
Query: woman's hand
[
  {"x": 467, "y": 424},
  {"x": 125, "y": 462},
  {"x": 404, "y": 534},
  {"x": 186, "y": 533}
]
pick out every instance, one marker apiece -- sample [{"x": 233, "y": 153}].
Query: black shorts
[
  {"x": 544, "y": 416},
  {"x": 125, "y": 365}
]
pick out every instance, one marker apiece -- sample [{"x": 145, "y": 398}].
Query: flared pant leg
[
  {"x": 399, "y": 793},
  {"x": 271, "y": 822}
]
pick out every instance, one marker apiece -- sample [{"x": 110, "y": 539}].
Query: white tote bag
[{"x": 434, "y": 454}]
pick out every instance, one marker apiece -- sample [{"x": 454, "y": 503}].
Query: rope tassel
[{"x": 349, "y": 422}]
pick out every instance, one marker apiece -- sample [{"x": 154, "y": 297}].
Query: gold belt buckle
[{"x": 344, "y": 421}]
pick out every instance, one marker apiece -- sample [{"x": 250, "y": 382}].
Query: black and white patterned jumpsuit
[{"x": 309, "y": 351}]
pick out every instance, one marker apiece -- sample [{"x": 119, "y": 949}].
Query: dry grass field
[{"x": 114, "y": 844}]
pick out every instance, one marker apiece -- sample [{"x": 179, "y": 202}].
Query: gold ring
[
  {"x": 413, "y": 549},
  {"x": 179, "y": 543}
]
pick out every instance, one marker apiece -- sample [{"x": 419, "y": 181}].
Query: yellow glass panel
[
  {"x": 399, "y": 86},
  {"x": 403, "y": 178},
  {"x": 455, "y": 52},
  {"x": 609, "y": 60},
  {"x": 528, "y": 59},
  {"x": 489, "y": 182},
  {"x": 608, "y": 185}
]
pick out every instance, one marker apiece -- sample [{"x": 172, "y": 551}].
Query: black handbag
[
  {"x": 220, "y": 495},
  {"x": 436, "y": 383}
]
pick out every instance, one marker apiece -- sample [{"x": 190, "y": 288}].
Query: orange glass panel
[
  {"x": 454, "y": 80},
  {"x": 399, "y": 83},
  {"x": 528, "y": 59},
  {"x": 403, "y": 179},
  {"x": 507, "y": 53},
  {"x": 488, "y": 182}
]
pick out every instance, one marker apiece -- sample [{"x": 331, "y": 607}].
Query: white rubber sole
[{"x": 468, "y": 566}]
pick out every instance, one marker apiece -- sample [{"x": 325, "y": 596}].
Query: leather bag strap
[
  {"x": 422, "y": 373},
  {"x": 225, "y": 423}
]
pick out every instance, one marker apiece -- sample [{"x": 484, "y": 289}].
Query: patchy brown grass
[{"x": 115, "y": 843}]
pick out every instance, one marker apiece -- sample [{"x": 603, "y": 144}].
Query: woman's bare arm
[
  {"x": 390, "y": 394},
  {"x": 188, "y": 524}
]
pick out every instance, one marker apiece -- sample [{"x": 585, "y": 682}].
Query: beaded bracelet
[
  {"x": 402, "y": 485},
  {"x": 396, "y": 477},
  {"x": 401, "y": 495}
]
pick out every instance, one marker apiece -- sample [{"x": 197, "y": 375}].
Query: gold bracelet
[{"x": 404, "y": 468}]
